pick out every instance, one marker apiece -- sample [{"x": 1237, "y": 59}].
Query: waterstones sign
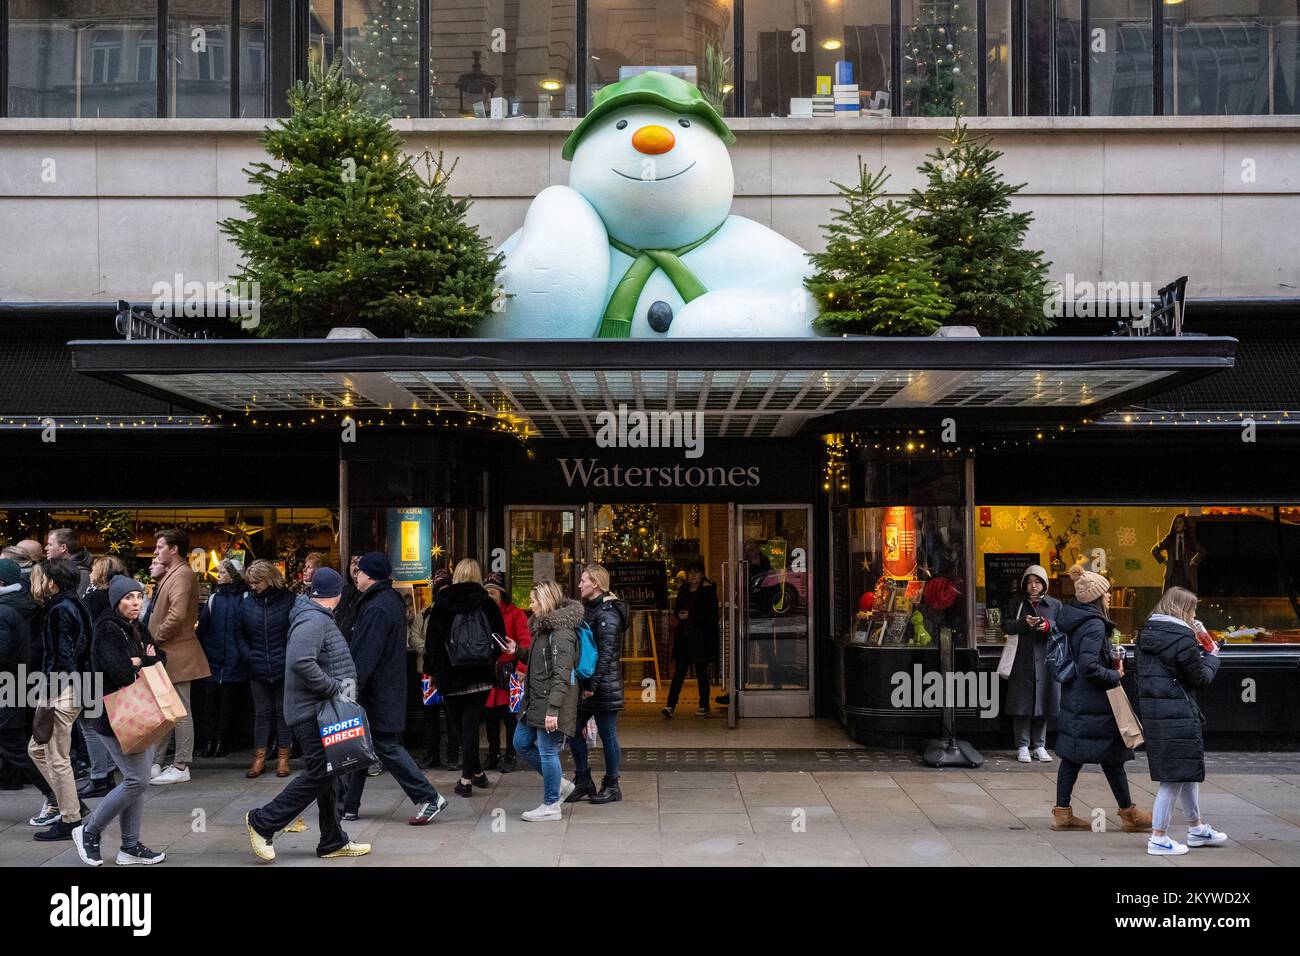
[{"x": 595, "y": 473}]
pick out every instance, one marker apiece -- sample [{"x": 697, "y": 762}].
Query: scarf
[{"x": 616, "y": 323}]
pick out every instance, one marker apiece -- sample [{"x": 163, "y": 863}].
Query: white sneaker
[
  {"x": 1165, "y": 846},
  {"x": 49, "y": 813},
  {"x": 1023, "y": 755},
  {"x": 154, "y": 771},
  {"x": 566, "y": 787},
  {"x": 1042, "y": 754},
  {"x": 547, "y": 811},
  {"x": 1206, "y": 835},
  {"x": 171, "y": 775}
]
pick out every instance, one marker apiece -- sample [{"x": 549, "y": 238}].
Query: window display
[
  {"x": 905, "y": 575},
  {"x": 1243, "y": 562}
]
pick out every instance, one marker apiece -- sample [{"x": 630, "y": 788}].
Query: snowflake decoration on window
[
  {"x": 991, "y": 544},
  {"x": 1022, "y": 523},
  {"x": 1126, "y": 537},
  {"x": 1002, "y": 520}
]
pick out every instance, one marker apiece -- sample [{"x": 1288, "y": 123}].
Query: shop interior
[{"x": 1243, "y": 561}]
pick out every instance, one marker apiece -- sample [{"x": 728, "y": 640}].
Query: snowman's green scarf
[{"x": 617, "y": 320}]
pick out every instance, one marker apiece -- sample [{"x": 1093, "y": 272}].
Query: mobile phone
[{"x": 500, "y": 643}]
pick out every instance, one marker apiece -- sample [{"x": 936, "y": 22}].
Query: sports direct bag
[
  {"x": 471, "y": 639},
  {"x": 345, "y": 735},
  {"x": 145, "y": 712},
  {"x": 1060, "y": 656},
  {"x": 586, "y": 665}
]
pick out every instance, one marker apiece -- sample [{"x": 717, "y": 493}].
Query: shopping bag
[
  {"x": 1008, "y": 657},
  {"x": 591, "y": 730},
  {"x": 516, "y": 692},
  {"x": 1129, "y": 726},
  {"x": 345, "y": 735},
  {"x": 144, "y": 713}
]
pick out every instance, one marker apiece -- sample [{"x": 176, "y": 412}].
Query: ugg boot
[
  {"x": 1063, "y": 818},
  {"x": 609, "y": 791},
  {"x": 259, "y": 763},
  {"x": 282, "y": 762},
  {"x": 583, "y": 787},
  {"x": 1135, "y": 820}
]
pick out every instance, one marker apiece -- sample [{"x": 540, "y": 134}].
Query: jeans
[
  {"x": 540, "y": 750},
  {"x": 700, "y": 659},
  {"x": 101, "y": 761},
  {"x": 1030, "y": 731},
  {"x": 396, "y": 760},
  {"x": 465, "y": 711},
  {"x": 268, "y": 713},
  {"x": 1188, "y": 795},
  {"x": 13, "y": 753},
  {"x": 184, "y": 731},
  {"x": 1115, "y": 776},
  {"x": 314, "y": 784},
  {"x": 607, "y": 725},
  {"x": 495, "y": 717},
  {"x": 219, "y": 710},
  {"x": 54, "y": 759},
  {"x": 126, "y": 800}
]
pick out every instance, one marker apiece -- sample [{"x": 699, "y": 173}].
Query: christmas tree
[
  {"x": 942, "y": 80},
  {"x": 349, "y": 232},
  {"x": 116, "y": 533},
  {"x": 385, "y": 59},
  {"x": 877, "y": 276},
  {"x": 992, "y": 282},
  {"x": 634, "y": 535}
]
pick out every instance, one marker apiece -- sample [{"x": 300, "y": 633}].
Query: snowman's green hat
[{"x": 651, "y": 88}]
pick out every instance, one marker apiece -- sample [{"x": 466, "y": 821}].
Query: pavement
[{"x": 712, "y": 808}]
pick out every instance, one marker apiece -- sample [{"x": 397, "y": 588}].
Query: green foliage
[
  {"x": 718, "y": 76},
  {"x": 942, "y": 78},
  {"x": 385, "y": 56},
  {"x": 634, "y": 535},
  {"x": 349, "y": 232},
  {"x": 116, "y": 533},
  {"x": 993, "y": 282},
  {"x": 877, "y": 276}
]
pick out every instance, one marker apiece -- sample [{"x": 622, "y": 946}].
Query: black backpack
[{"x": 471, "y": 639}]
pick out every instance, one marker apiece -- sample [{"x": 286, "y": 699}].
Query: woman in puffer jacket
[
  {"x": 263, "y": 636},
  {"x": 218, "y": 632},
  {"x": 550, "y": 710},
  {"x": 1172, "y": 666},
  {"x": 602, "y": 695}
]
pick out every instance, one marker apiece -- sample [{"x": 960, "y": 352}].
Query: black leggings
[
  {"x": 466, "y": 711},
  {"x": 1115, "y": 776},
  {"x": 496, "y": 716},
  {"x": 219, "y": 705}
]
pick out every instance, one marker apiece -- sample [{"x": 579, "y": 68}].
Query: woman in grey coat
[{"x": 1032, "y": 695}]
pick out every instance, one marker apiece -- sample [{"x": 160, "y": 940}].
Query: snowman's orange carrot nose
[{"x": 653, "y": 140}]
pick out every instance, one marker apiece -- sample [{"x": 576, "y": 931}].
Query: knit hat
[
  {"x": 120, "y": 587},
  {"x": 375, "y": 564},
  {"x": 651, "y": 88},
  {"x": 495, "y": 580},
  {"x": 1088, "y": 585},
  {"x": 326, "y": 583},
  {"x": 10, "y": 572}
]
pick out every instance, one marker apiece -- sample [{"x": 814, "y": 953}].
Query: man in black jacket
[
  {"x": 15, "y": 642},
  {"x": 379, "y": 650}
]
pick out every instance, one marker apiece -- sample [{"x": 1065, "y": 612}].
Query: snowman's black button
[
  {"x": 660, "y": 316},
  {"x": 621, "y": 124}
]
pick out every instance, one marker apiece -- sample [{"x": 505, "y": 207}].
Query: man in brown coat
[{"x": 173, "y": 615}]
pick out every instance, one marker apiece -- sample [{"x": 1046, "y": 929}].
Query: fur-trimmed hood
[{"x": 565, "y": 617}]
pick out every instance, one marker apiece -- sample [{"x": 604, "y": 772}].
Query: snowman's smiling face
[{"x": 658, "y": 179}]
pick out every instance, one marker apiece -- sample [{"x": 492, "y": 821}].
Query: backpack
[
  {"x": 587, "y": 655},
  {"x": 471, "y": 639},
  {"x": 1060, "y": 656}
]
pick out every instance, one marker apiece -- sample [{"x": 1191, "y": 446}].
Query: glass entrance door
[
  {"x": 545, "y": 545},
  {"x": 772, "y": 609}
]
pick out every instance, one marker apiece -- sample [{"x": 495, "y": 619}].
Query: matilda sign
[{"x": 640, "y": 243}]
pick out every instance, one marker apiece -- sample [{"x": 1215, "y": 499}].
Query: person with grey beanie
[{"x": 121, "y": 647}]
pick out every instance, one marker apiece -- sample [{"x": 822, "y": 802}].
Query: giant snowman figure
[{"x": 640, "y": 242}]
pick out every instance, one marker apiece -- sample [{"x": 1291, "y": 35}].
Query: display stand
[
  {"x": 649, "y": 618},
  {"x": 948, "y": 751}
]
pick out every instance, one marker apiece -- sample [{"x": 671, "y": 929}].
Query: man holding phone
[{"x": 379, "y": 652}]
